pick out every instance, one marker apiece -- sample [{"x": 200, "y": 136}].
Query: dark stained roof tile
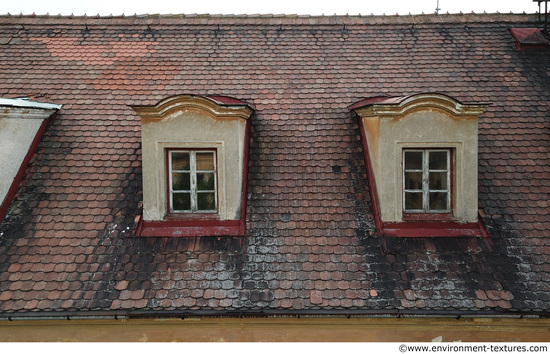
[{"x": 67, "y": 242}]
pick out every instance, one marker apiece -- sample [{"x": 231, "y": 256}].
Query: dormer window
[
  {"x": 194, "y": 165},
  {"x": 421, "y": 158}
]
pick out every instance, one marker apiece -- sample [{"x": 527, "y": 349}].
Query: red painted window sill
[
  {"x": 189, "y": 228},
  {"x": 432, "y": 229}
]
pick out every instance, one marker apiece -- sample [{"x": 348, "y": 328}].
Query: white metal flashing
[{"x": 25, "y": 103}]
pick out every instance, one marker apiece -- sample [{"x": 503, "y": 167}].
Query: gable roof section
[{"x": 67, "y": 243}]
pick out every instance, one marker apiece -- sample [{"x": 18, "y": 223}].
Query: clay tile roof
[{"x": 68, "y": 244}]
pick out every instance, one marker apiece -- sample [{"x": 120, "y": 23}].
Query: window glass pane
[
  {"x": 181, "y": 201},
  {"x": 438, "y": 201},
  {"x": 430, "y": 164},
  {"x": 206, "y": 201},
  {"x": 413, "y": 201},
  {"x": 438, "y": 180},
  {"x": 205, "y": 161},
  {"x": 438, "y": 160},
  {"x": 413, "y": 160},
  {"x": 413, "y": 180},
  {"x": 205, "y": 181},
  {"x": 181, "y": 181},
  {"x": 193, "y": 181},
  {"x": 180, "y": 161}
]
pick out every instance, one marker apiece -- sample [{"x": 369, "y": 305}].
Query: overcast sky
[{"x": 300, "y": 7}]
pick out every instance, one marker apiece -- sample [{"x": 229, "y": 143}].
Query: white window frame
[
  {"x": 425, "y": 181},
  {"x": 193, "y": 181}
]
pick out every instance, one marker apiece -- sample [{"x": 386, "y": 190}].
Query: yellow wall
[{"x": 278, "y": 329}]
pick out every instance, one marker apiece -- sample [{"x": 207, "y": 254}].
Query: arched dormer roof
[
  {"x": 400, "y": 105},
  {"x": 214, "y": 106}
]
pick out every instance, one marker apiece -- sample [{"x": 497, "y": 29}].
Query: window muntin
[
  {"x": 192, "y": 181},
  {"x": 426, "y": 181}
]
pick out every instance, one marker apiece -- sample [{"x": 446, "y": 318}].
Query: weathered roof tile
[{"x": 67, "y": 242}]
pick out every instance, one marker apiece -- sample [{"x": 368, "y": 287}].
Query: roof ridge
[{"x": 295, "y": 18}]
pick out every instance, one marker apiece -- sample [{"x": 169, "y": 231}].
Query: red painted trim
[
  {"x": 378, "y": 100},
  {"x": 481, "y": 226},
  {"x": 139, "y": 223},
  {"x": 228, "y": 101},
  {"x": 23, "y": 168},
  {"x": 242, "y": 227},
  {"x": 430, "y": 229},
  {"x": 528, "y": 38},
  {"x": 415, "y": 228},
  {"x": 370, "y": 177}
]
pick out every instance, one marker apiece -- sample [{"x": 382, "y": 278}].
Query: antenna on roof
[{"x": 437, "y": 8}]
